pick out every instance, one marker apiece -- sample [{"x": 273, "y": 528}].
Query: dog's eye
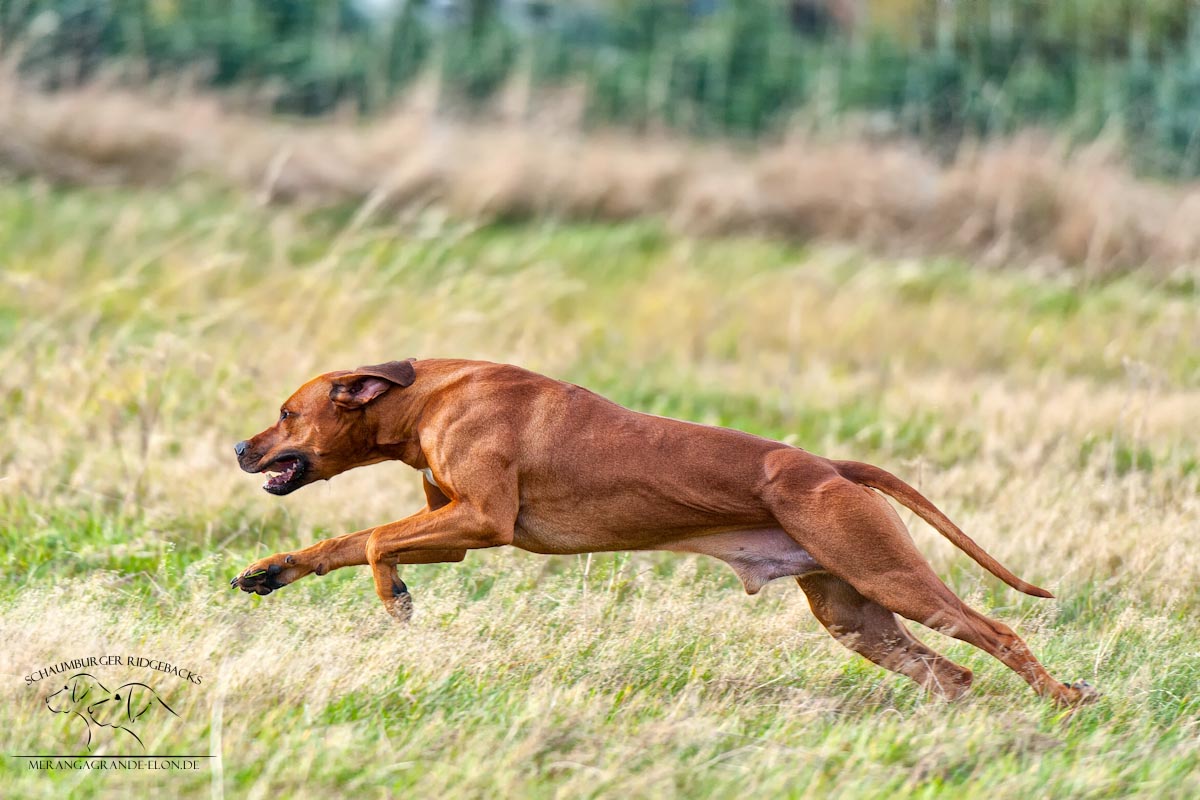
[{"x": 284, "y": 415}]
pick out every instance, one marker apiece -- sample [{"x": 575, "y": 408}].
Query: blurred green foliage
[{"x": 934, "y": 70}]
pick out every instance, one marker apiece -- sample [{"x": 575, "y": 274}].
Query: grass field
[{"x": 142, "y": 333}]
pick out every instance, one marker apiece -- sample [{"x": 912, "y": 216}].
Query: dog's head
[
  {"x": 77, "y": 692},
  {"x": 125, "y": 706},
  {"x": 322, "y": 430}
]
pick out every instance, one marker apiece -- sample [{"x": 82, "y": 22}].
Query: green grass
[{"x": 142, "y": 333}]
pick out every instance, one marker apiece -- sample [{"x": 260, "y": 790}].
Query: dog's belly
[
  {"x": 627, "y": 513},
  {"x": 758, "y": 556},
  {"x": 554, "y": 535}
]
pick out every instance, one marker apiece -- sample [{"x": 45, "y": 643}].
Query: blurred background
[
  {"x": 959, "y": 240},
  {"x": 936, "y": 71},
  {"x": 1060, "y": 134}
]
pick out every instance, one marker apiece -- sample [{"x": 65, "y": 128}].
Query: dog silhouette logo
[
  {"x": 127, "y": 708},
  {"x": 80, "y": 690}
]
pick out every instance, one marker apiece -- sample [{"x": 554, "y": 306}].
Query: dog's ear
[{"x": 358, "y": 387}]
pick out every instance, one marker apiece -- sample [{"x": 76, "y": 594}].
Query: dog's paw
[
  {"x": 1074, "y": 695},
  {"x": 400, "y": 604},
  {"x": 1087, "y": 692},
  {"x": 268, "y": 574}
]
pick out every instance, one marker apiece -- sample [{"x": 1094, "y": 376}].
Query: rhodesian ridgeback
[{"x": 511, "y": 457}]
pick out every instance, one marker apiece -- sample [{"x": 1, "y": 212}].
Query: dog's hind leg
[
  {"x": 878, "y": 635},
  {"x": 858, "y": 537},
  {"x": 760, "y": 556}
]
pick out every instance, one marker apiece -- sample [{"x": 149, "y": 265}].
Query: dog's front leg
[
  {"x": 452, "y": 530},
  {"x": 396, "y": 598},
  {"x": 350, "y": 550},
  {"x": 276, "y": 571}
]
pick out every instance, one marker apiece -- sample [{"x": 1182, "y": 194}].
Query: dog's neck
[
  {"x": 395, "y": 418},
  {"x": 394, "y": 427}
]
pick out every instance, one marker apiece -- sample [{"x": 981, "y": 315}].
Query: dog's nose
[{"x": 240, "y": 448}]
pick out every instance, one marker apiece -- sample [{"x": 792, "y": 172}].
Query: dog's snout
[{"x": 248, "y": 455}]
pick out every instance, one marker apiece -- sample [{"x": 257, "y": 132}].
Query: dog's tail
[{"x": 889, "y": 484}]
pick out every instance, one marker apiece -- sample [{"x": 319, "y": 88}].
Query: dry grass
[
  {"x": 142, "y": 332},
  {"x": 1011, "y": 202}
]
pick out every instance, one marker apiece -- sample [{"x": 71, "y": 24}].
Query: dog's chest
[{"x": 428, "y": 473}]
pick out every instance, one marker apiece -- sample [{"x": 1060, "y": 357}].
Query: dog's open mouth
[{"x": 284, "y": 474}]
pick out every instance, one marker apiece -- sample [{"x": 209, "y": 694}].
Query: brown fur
[{"x": 520, "y": 459}]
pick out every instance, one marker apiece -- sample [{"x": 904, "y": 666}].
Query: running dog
[{"x": 511, "y": 457}]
